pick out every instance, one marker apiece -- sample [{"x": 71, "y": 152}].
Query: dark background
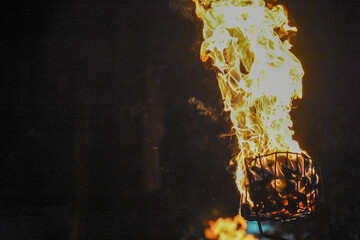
[{"x": 99, "y": 140}]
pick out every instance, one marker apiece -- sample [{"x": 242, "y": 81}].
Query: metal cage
[{"x": 281, "y": 186}]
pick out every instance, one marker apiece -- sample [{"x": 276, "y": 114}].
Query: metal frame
[{"x": 278, "y": 211}]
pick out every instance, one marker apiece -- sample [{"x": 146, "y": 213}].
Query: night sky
[{"x": 100, "y": 141}]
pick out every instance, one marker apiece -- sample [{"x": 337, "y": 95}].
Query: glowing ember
[
  {"x": 247, "y": 42},
  {"x": 228, "y": 229}
]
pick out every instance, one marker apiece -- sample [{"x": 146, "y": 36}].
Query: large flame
[
  {"x": 257, "y": 74},
  {"x": 228, "y": 229}
]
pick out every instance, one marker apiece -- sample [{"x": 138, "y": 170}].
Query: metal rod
[{"x": 326, "y": 203}]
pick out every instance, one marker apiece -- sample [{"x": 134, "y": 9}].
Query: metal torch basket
[{"x": 272, "y": 203}]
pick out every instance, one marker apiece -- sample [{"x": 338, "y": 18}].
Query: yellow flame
[
  {"x": 228, "y": 229},
  {"x": 257, "y": 74}
]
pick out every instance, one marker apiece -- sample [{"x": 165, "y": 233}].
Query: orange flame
[
  {"x": 257, "y": 74},
  {"x": 228, "y": 229}
]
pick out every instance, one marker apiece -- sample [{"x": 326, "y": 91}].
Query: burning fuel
[
  {"x": 247, "y": 42},
  {"x": 282, "y": 186}
]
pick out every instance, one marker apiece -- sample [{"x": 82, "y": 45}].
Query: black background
[{"x": 75, "y": 76}]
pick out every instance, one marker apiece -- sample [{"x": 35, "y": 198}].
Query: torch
[{"x": 248, "y": 43}]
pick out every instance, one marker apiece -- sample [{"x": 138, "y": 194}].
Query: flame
[
  {"x": 247, "y": 42},
  {"x": 228, "y": 229},
  {"x": 203, "y": 110}
]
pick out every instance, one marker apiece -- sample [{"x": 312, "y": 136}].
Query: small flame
[
  {"x": 247, "y": 42},
  {"x": 203, "y": 110},
  {"x": 228, "y": 229}
]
